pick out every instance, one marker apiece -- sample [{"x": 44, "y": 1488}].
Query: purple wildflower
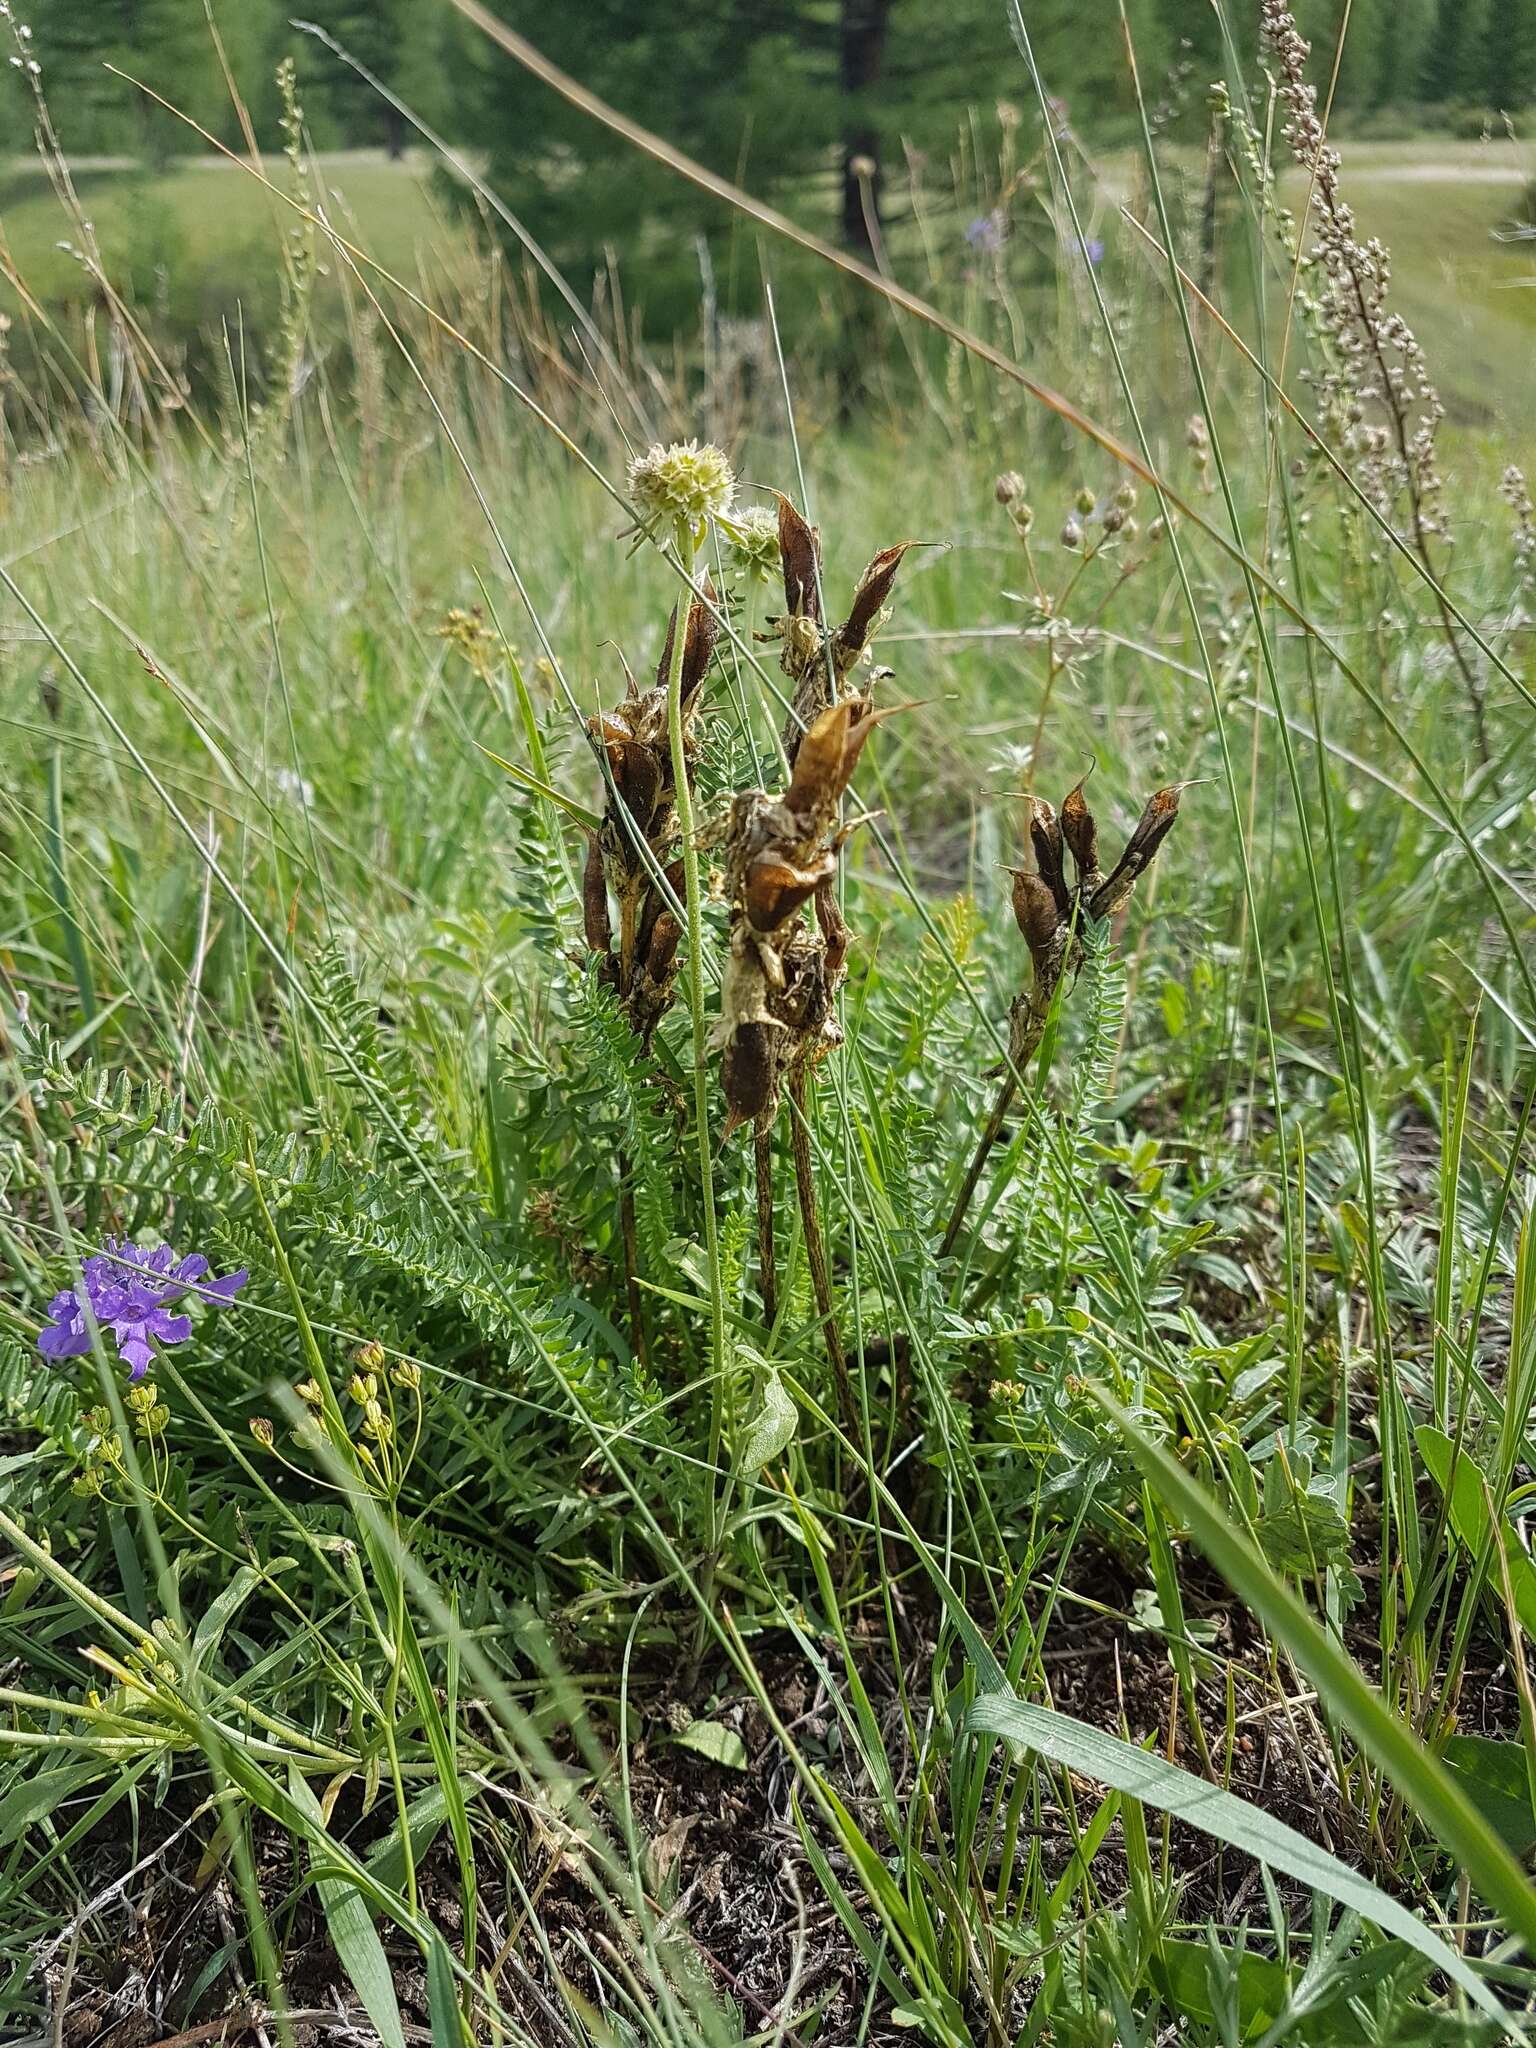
[
  {"x": 128, "y": 1290},
  {"x": 985, "y": 233},
  {"x": 1093, "y": 249}
]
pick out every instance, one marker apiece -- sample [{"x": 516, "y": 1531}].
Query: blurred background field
[{"x": 196, "y": 244}]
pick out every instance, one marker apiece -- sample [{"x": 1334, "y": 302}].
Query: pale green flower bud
[
  {"x": 752, "y": 544},
  {"x": 682, "y": 485}
]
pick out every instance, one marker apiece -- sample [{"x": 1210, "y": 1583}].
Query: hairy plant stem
[
  {"x": 691, "y": 902},
  {"x": 629, "y": 1233},
  {"x": 768, "y": 1279},
  {"x": 991, "y": 1131},
  {"x": 815, "y": 1246},
  {"x": 1027, "y": 1021}
]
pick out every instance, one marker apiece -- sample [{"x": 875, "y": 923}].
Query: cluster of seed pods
[
  {"x": 1052, "y": 912},
  {"x": 778, "y": 1008},
  {"x": 634, "y": 850}
]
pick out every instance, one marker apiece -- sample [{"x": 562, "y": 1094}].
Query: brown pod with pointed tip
[
  {"x": 1080, "y": 831},
  {"x": 594, "y": 899},
  {"x": 1035, "y": 913},
  {"x": 818, "y": 779},
  {"x": 1045, "y": 838},
  {"x": 698, "y": 643},
  {"x": 800, "y": 557},
  {"x": 1152, "y": 828},
  {"x": 873, "y": 589},
  {"x": 746, "y": 1071}
]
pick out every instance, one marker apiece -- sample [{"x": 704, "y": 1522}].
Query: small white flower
[{"x": 683, "y": 485}]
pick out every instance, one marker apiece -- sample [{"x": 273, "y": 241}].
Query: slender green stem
[{"x": 695, "y": 985}]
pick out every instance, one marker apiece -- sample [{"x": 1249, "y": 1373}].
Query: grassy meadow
[{"x": 850, "y": 1418}]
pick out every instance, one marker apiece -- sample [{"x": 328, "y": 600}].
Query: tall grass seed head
[{"x": 683, "y": 485}]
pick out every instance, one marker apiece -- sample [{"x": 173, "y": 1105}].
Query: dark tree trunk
[
  {"x": 861, "y": 51},
  {"x": 861, "y": 55}
]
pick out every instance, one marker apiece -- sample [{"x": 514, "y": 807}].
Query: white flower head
[{"x": 683, "y": 485}]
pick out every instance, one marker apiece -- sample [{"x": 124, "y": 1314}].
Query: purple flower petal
[
  {"x": 136, "y": 1354},
  {"x": 67, "y": 1340},
  {"x": 225, "y": 1289},
  {"x": 129, "y": 1290}
]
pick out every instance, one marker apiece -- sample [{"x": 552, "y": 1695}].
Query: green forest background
[{"x": 767, "y": 90}]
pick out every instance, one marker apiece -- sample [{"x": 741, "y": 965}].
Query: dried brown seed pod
[
  {"x": 594, "y": 899},
  {"x": 1035, "y": 913},
  {"x": 748, "y": 1071},
  {"x": 828, "y": 753},
  {"x": 661, "y": 945},
  {"x": 800, "y": 558},
  {"x": 1152, "y": 828},
  {"x": 1045, "y": 838},
  {"x": 698, "y": 645},
  {"x": 874, "y": 587},
  {"x": 1080, "y": 831},
  {"x": 775, "y": 889}
]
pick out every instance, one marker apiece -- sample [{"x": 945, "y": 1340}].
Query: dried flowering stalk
[
  {"x": 1052, "y": 915},
  {"x": 1377, "y": 357},
  {"x": 636, "y": 841},
  {"x": 778, "y": 1003}
]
